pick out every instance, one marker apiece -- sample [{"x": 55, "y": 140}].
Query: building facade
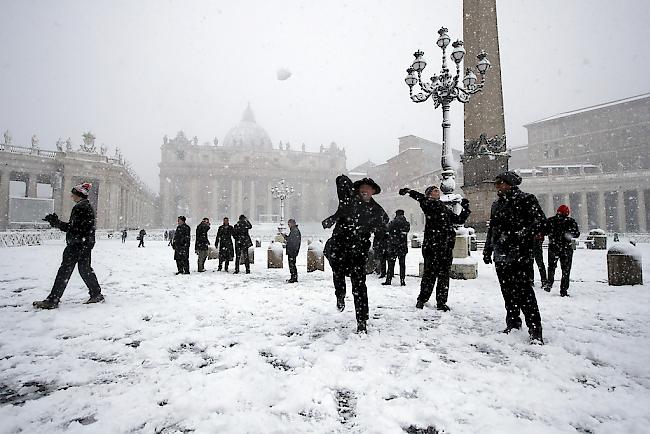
[{"x": 217, "y": 180}]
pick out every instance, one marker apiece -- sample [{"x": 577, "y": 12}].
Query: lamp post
[
  {"x": 443, "y": 89},
  {"x": 282, "y": 191}
]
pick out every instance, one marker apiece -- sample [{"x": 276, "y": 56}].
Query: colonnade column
[
  {"x": 240, "y": 197},
  {"x": 584, "y": 213},
  {"x": 57, "y": 197},
  {"x": 269, "y": 199},
  {"x": 252, "y": 213},
  {"x": 66, "y": 203},
  {"x": 600, "y": 206},
  {"x": 620, "y": 211},
  {"x": 4, "y": 200},
  {"x": 641, "y": 213}
]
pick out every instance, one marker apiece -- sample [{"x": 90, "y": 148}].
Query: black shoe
[
  {"x": 563, "y": 294},
  {"x": 249, "y": 272},
  {"x": 219, "y": 269},
  {"x": 292, "y": 280},
  {"x": 536, "y": 340},
  {"x": 381, "y": 276},
  {"x": 95, "y": 299},
  {"x": 546, "y": 288},
  {"x": 388, "y": 282},
  {"x": 340, "y": 304},
  {"x": 419, "y": 305},
  {"x": 186, "y": 272},
  {"x": 402, "y": 283},
  {"x": 508, "y": 329},
  {"x": 46, "y": 304},
  {"x": 443, "y": 307},
  {"x": 235, "y": 272},
  {"x": 200, "y": 271},
  {"x": 179, "y": 272},
  {"x": 361, "y": 327}
]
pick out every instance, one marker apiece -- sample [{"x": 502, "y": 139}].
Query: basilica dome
[{"x": 247, "y": 134}]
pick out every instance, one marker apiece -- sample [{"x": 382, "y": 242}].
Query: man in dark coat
[
  {"x": 223, "y": 243},
  {"x": 124, "y": 235},
  {"x": 80, "y": 240},
  {"x": 141, "y": 237},
  {"x": 242, "y": 243},
  {"x": 515, "y": 219},
  {"x": 438, "y": 243},
  {"x": 293, "y": 248},
  {"x": 538, "y": 256},
  {"x": 202, "y": 243},
  {"x": 397, "y": 247},
  {"x": 379, "y": 248},
  {"x": 181, "y": 245},
  {"x": 357, "y": 217},
  {"x": 561, "y": 230}
]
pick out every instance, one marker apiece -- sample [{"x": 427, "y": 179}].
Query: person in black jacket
[
  {"x": 223, "y": 243},
  {"x": 397, "y": 247},
  {"x": 124, "y": 235},
  {"x": 438, "y": 243},
  {"x": 538, "y": 256},
  {"x": 181, "y": 245},
  {"x": 293, "y": 248},
  {"x": 379, "y": 248},
  {"x": 561, "y": 230},
  {"x": 515, "y": 219},
  {"x": 242, "y": 243},
  {"x": 357, "y": 217},
  {"x": 141, "y": 236},
  {"x": 80, "y": 240},
  {"x": 202, "y": 243}
]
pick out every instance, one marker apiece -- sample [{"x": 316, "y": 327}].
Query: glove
[
  {"x": 487, "y": 257},
  {"x": 464, "y": 203},
  {"x": 404, "y": 191},
  {"x": 328, "y": 223},
  {"x": 52, "y": 219}
]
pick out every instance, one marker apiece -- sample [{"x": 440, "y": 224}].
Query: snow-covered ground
[{"x": 216, "y": 352}]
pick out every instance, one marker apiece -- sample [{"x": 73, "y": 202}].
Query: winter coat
[
  {"x": 224, "y": 243},
  {"x": 398, "y": 230},
  {"x": 439, "y": 232},
  {"x": 293, "y": 242},
  {"x": 202, "y": 242},
  {"x": 561, "y": 230},
  {"x": 515, "y": 219},
  {"x": 142, "y": 234},
  {"x": 80, "y": 230},
  {"x": 380, "y": 243},
  {"x": 240, "y": 234},
  {"x": 355, "y": 221},
  {"x": 182, "y": 241}
]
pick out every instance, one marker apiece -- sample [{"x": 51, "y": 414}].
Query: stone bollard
[
  {"x": 275, "y": 255},
  {"x": 258, "y": 242},
  {"x": 251, "y": 254},
  {"x": 315, "y": 257},
  {"x": 624, "y": 265},
  {"x": 598, "y": 239},
  {"x": 415, "y": 242}
]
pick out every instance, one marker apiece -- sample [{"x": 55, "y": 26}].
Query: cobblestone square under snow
[{"x": 216, "y": 352}]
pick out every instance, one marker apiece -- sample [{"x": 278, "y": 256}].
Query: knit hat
[
  {"x": 429, "y": 189},
  {"x": 82, "y": 189},
  {"x": 509, "y": 177},
  {"x": 564, "y": 210}
]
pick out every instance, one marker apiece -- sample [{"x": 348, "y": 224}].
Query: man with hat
[
  {"x": 181, "y": 245},
  {"x": 515, "y": 219},
  {"x": 357, "y": 217},
  {"x": 397, "y": 247},
  {"x": 438, "y": 243},
  {"x": 561, "y": 230},
  {"x": 242, "y": 243},
  {"x": 80, "y": 240}
]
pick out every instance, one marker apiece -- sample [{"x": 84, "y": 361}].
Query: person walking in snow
[
  {"x": 170, "y": 236},
  {"x": 293, "y": 248},
  {"x": 561, "y": 230},
  {"x": 80, "y": 240},
  {"x": 357, "y": 217},
  {"x": 438, "y": 243},
  {"x": 141, "y": 237},
  {"x": 181, "y": 245},
  {"x": 397, "y": 247},
  {"x": 223, "y": 243},
  {"x": 242, "y": 243},
  {"x": 515, "y": 219},
  {"x": 202, "y": 243},
  {"x": 124, "y": 235}
]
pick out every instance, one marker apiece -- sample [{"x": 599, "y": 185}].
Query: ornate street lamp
[
  {"x": 282, "y": 191},
  {"x": 443, "y": 89}
]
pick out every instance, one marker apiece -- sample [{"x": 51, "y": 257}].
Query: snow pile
[{"x": 626, "y": 249}]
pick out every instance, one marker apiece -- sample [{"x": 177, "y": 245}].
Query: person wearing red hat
[
  {"x": 561, "y": 230},
  {"x": 80, "y": 240}
]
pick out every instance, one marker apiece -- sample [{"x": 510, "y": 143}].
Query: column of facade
[
  {"x": 31, "y": 185},
  {"x": 240, "y": 197},
  {"x": 103, "y": 204},
  {"x": 548, "y": 204},
  {"x": 57, "y": 186},
  {"x": 233, "y": 200},
  {"x": 4, "y": 199},
  {"x": 115, "y": 221},
  {"x": 252, "y": 213},
  {"x": 602, "y": 216},
  {"x": 584, "y": 213},
  {"x": 66, "y": 205},
  {"x": 620, "y": 210},
  {"x": 214, "y": 205},
  {"x": 269, "y": 199},
  {"x": 641, "y": 213},
  {"x": 304, "y": 197}
]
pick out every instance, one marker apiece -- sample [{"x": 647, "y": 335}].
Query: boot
[
  {"x": 536, "y": 338},
  {"x": 402, "y": 282},
  {"x": 443, "y": 307},
  {"x": 508, "y": 329},
  {"x": 419, "y": 305},
  {"x": 546, "y": 287},
  {"x": 361, "y": 327},
  {"x": 340, "y": 303},
  {"x": 46, "y": 304},
  {"x": 94, "y": 299},
  {"x": 387, "y": 282},
  {"x": 563, "y": 293}
]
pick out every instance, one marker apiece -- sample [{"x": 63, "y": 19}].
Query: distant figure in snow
[
  {"x": 165, "y": 234},
  {"x": 181, "y": 245},
  {"x": 170, "y": 236},
  {"x": 242, "y": 243},
  {"x": 223, "y": 244},
  {"x": 293, "y": 241},
  {"x": 515, "y": 219},
  {"x": 561, "y": 230},
  {"x": 397, "y": 247},
  {"x": 124, "y": 234},
  {"x": 357, "y": 217},
  {"x": 80, "y": 240},
  {"x": 202, "y": 243},
  {"x": 141, "y": 236}
]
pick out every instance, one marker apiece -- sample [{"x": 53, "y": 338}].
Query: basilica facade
[{"x": 234, "y": 177}]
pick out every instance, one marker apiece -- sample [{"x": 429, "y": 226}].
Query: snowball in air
[{"x": 283, "y": 74}]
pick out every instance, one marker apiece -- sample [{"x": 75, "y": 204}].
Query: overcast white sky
[{"x": 132, "y": 71}]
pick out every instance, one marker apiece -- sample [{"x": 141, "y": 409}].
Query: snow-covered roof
[{"x": 594, "y": 107}]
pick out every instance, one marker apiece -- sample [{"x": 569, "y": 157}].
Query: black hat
[
  {"x": 509, "y": 177},
  {"x": 242, "y": 217},
  {"x": 399, "y": 212},
  {"x": 367, "y": 181},
  {"x": 182, "y": 217}
]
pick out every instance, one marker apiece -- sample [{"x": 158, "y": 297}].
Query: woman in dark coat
[
  {"x": 397, "y": 246},
  {"x": 223, "y": 244}
]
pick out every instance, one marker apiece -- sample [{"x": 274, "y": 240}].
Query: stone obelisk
[{"x": 485, "y": 153}]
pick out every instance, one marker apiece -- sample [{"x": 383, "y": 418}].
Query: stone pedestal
[
  {"x": 461, "y": 248},
  {"x": 315, "y": 257},
  {"x": 464, "y": 269},
  {"x": 624, "y": 265},
  {"x": 600, "y": 242},
  {"x": 416, "y": 243},
  {"x": 275, "y": 255},
  {"x": 258, "y": 242},
  {"x": 251, "y": 254}
]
